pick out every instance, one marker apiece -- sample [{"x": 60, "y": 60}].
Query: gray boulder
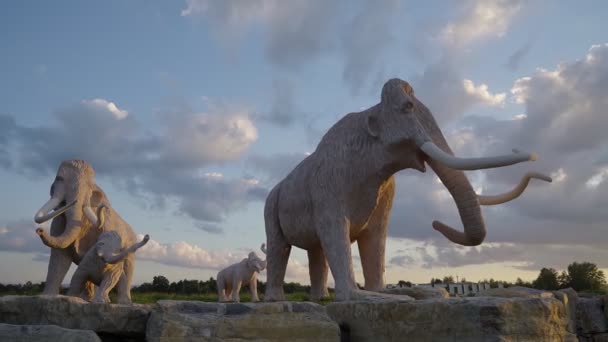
[
  {"x": 419, "y": 292},
  {"x": 590, "y": 316},
  {"x": 200, "y": 321},
  {"x": 75, "y": 313},
  {"x": 44, "y": 333},
  {"x": 569, "y": 298},
  {"x": 515, "y": 292},
  {"x": 456, "y": 319}
]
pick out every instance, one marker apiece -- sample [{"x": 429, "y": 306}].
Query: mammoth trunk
[
  {"x": 73, "y": 225},
  {"x": 468, "y": 207}
]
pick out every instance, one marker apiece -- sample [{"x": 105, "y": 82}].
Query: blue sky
[{"x": 125, "y": 84}]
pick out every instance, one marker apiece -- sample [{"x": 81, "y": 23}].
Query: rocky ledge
[
  {"x": 281, "y": 321},
  {"x": 516, "y": 315},
  {"x": 76, "y": 313}
]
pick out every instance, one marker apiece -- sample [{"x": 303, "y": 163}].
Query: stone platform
[{"x": 496, "y": 316}]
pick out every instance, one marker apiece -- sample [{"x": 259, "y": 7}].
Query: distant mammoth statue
[
  {"x": 231, "y": 278},
  {"x": 75, "y": 228},
  {"x": 103, "y": 265},
  {"x": 343, "y": 192}
]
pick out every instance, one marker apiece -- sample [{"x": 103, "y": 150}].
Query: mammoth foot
[
  {"x": 274, "y": 296},
  {"x": 370, "y": 296}
]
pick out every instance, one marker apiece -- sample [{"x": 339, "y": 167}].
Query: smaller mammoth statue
[
  {"x": 231, "y": 278},
  {"x": 103, "y": 266}
]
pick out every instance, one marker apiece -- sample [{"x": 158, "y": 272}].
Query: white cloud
[
  {"x": 169, "y": 164},
  {"x": 482, "y": 19},
  {"x": 103, "y": 104},
  {"x": 184, "y": 254},
  {"x": 218, "y": 135},
  {"x": 20, "y": 236},
  {"x": 481, "y": 93},
  {"x": 448, "y": 94}
]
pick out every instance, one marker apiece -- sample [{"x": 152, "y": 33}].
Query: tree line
[{"x": 581, "y": 276}]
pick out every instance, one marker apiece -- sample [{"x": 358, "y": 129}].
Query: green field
[{"x": 153, "y": 297}]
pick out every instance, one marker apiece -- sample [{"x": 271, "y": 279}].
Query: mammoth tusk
[
  {"x": 97, "y": 220},
  {"x": 518, "y": 190},
  {"x": 449, "y": 160},
  {"x": 263, "y": 248},
  {"x": 44, "y": 214}
]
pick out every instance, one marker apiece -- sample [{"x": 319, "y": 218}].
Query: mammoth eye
[{"x": 407, "y": 107}]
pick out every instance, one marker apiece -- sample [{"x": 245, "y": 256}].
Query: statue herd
[{"x": 339, "y": 194}]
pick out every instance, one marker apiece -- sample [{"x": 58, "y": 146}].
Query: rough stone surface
[
  {"x": 200, "y": 321},
  {"x": 75, "y": 313},
  {"x": 515, "y": 292},
  {"x": 44, "y": 333},
  {"x": 569, "y": 298},
  {"x": 590, "y": 317},
  {"x": 419, "y": 292},
  {"x": 456, "y": 319}
]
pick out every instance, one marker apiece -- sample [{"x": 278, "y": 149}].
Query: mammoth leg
[
  {"x": 237, "y": 288},
  {"x": 372, "y": 241},
  {"x": 110, "y": 278},
  {"x": 221, "y": 288},
  {"x": 278, "y": 250},
  {"x": 276, "y": 262},
  {"x": 124, "y": 283},
  {"x": 318, "y": 269},
  {"x": 253, "y": 287},
  {"x": 335, "y": 240},
  {"x": 59, "y": 261},
  {"x": 78, "y": 283},
  {"x": 59, "y": 264}
]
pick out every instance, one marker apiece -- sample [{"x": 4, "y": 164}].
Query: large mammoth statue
[
  {"x": 74, "y": 230},
  {"x": 343, "y": 192},
  {"x": 231, "y": 278}
]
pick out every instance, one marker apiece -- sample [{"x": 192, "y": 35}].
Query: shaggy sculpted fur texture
[
  {"x": 74, "y": 229},
  {"x": 231, "y": 278},
  {"x": 103, "y": 265},
  {"x": 343, "y": 192}
]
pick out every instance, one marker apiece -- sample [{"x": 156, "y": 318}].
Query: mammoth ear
[{"x": 373, "y": 126}]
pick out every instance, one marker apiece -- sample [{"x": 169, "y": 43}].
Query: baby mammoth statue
[
  {"x": 230, "y": 279},
  {"x": 103, "y": 266}
]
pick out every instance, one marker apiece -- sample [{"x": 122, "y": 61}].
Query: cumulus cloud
[
  {"x": 482, "y": 94},
  {"x": 481, "y": 19},
  {"x": 183, "y": 254},
  {"x": 448, "y": 94},
  {"x": 519, "y": 256},
  {"x": 20, "y": 236},
  {"x": 177, "y": 162},
  {"x": 550, "y": 225}
]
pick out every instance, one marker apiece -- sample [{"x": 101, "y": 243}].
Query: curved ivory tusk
[
  {"x": 449, "y": 160},
  {"x": 44, "y": 214},
  {"x": 518, "y": 190},
  {"x": 90, "y": 214},
  {"x": 263, "y": 248},
  {"x": 97, "y": 220}
]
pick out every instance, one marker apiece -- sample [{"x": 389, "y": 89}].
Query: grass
[{"x": 153, "y": 297}]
